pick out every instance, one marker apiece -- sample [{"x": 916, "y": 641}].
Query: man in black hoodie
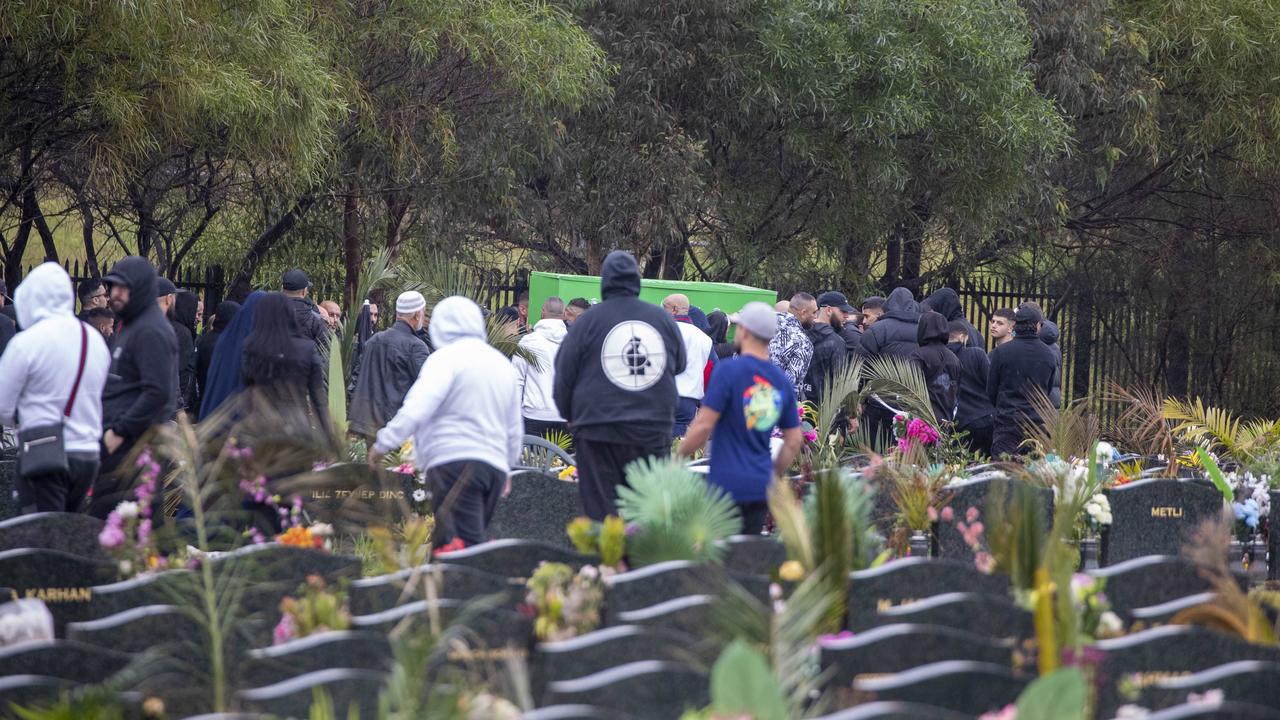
[
  {"x": 182, "y": 316},
  {"x": 939, "y": 365},
  {"x": 829, "y": 354},
  {"x": 1018, "y": 367},
  {"x": 974, "y": 412},
  {"x": 615, "y": 383},
  {"x": 140, "y": 388},
  {"x": 946, "y": 303},
  {"x": 893, "y": 334},
  {"x": 1049, "y": 335}
]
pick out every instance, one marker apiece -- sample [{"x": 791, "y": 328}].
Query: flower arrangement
[
  {"x": 319, "y": 536},
  {"x": 565, "y": 604},
  {"x": 913, "y": 432},
  {"x": 127, "y": 534},
  {"x": 1098, "y": 512},
  {"x": 569, "y": 474},
  {"x": 607, "y": 539},
  {"x": 319, "y": 609}
]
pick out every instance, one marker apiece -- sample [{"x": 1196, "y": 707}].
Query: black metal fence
[{"x": 207, "y": 282}]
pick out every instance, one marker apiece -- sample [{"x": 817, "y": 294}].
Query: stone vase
[
  {"x": 1089, "y": 553},
  {"x": 1235, "y": 556},
  {"x": 920, "y": 544}
]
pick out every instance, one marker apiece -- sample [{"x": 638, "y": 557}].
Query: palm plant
[
  {"x": 1217, "y": 430},
  {"x": 1141, "y": 426},
  {"x": 896, "y": 381},
  {"x": 1067, "y": 433},
  {"x": 680, "y": 516}
]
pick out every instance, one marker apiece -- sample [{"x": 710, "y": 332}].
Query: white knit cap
[{"x": 410, "y": 302}]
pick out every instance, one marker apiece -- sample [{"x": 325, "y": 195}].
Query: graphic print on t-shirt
[
  {"x": 633, "y": 355},
  {"x": 761, "y": 405}
]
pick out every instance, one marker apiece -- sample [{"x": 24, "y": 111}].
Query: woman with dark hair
[
  {"x": 281, "y": 365},
  {"x": 183, "y": 319},
  {"x": 224, "y": 379},
  {"x": 719, "y": 332},
  {"x": 222, "y": 316}
]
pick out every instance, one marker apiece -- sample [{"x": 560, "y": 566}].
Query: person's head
[
  {"x": 186, "y": 310},
  {"x": 131, "y": 287},
  {"x": 757, "y": 325},
  {"x": 1027, "y": 319},
  {"x": 223, "y": 314},
  {"x": 44, "y": 293},
  {"x": 522, "y": 306},
  {"x": 199, "y": 306},
  {"x": 92, "y": 294},
  {"x": 805, "y": 308},
  {"x": 553, "y": 308},
  {"x": 456, "y": 318},
  {"x": 619, "y": 275},
  {"x": 832, "y": 308},
  {"x": 411, "y": 309},
  {"x": 576, "y": 307},
  {"x": 335, "y": 313},
  {"x": 269, "y": 346},
  {"x": 677, "y": 304},
  {"x": 872, "y": 309},
  {"x": 854, "y": 319},
  {"x": 1001, "y": 325},
  {"x": 296, "y": 283},
  {"x": 373, "y": 314},
  {"x": 324, "y": 315},
  {"x": 102, "y": 320},
  {"x": 165, "y": 294},
  {"x": 958, "y": 332},
  {"x": 782, "y": 306}
]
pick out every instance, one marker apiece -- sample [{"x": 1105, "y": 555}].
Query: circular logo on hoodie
[{"x": 633, "y": 355}]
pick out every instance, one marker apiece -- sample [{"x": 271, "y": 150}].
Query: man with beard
[
  {"x": 823, "y": 330},
  {"x": 790, "y": 348},
  {"x": 849, "y": 318}
]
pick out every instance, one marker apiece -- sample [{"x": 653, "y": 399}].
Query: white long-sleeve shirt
[
  {"x": 39, "y": 365},
  {"x": 698, "y": 348},
  {"x": 535, "y": 385},
  {"x": 464, "y": 405}
]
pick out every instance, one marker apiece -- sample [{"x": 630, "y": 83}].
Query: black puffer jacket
[
  {"x": 894, "y": 333},
  {"x": 140, "y": 389},
  {"x": 946, "y": 303},
  {"x": 311, "y": 325},
  {"x": 1049, "y": 334},
  {"x": 388, "y": 367},
  {"x": 616, "y": 369},
  {"x": 828, "y": 356},
  {"x": 974, "y": 408},
  {"x": 1017, "y": 366},
  {"x": 939, "y": 365},
  {"x": 852, "y": 337}
]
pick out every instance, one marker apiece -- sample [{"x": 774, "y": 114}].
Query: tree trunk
[
  {"x": 31, "y": 205},
  {"x": 238, "y": 288},
  {"x": 13, "y": 258},
  {"x": 87, "y": 224},
  {"x": 397, "y": 209},
  {"x": 351, "y": 244}
]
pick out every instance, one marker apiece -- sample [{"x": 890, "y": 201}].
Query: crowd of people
[{"x": 619, "y": 380}]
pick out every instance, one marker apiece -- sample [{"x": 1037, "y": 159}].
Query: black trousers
[
  {"x": 464, "y": 495},
  {"x": 754, "y": 516},
  {"x": 600, "y": 472},
  {"x": 979, "y": 438},
  {"x": 113, "y": 483},
  {"x": 58, "y": 492},
  {"x": 1006, "y": 440},
  {"x": 686, "y": 410}
]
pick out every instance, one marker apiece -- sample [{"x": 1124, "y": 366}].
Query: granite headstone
[
  {"x": 360, "y": 650},
  {"x": 293, "y": 698},
  {"x": 986, "y": 615},
  {"x": 661, "y": 582},
  {"x": 754, "y": 554},
  {"x": 973, "y": 497},
  {"x": 649, "y": 689},
  {"x": 352, "y": 498},
  {"x": 62, "y": 580},
  {"x": 897, "y": 648},
  {"x": 455, "y": 582},
  {"x": 66, "y": 659},
  {"x": 588, "y": 654},
  {"x": 1250, "y": 681},
  {"x": 887, "y": 710},
  {"x": 972, "y": 688},
  {"x": 1149, "y": 581},
  {"x": 512, "y": 558},
  {"x": 1156, "y": 517},
  {"x": 691, "y": 614},
  {"x": 911, "y": 579},
  {"x": 74, "y": 533},
  {"x": 539, "y": 507},
  {"x": 8, "y": 490}
]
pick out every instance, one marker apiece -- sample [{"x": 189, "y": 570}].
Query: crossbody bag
[{"x": 43, "y": 450}]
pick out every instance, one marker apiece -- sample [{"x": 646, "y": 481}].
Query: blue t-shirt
[{"x": 753, "y": 397}]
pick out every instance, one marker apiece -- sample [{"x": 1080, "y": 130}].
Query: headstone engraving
[
  {"x": 1156, "y": 517},
  {"x": 912, "y": 579}
]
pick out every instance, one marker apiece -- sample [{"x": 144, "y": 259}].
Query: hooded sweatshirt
[
  {"x": 828, "y": 355},
  {"x": 939, "y": 365},
  {"x": 1049, "y": 335},
  {"x": 974, "y": 407},
  {"x": 183, "y": 320},
  {"x": 615, "y": 372},
  {"x": 1017, "y": 366},
  {"x": 140, "y": 390},
  {"x": 39, "y": 367},
  {"x": 536, "y": 385},
  {"x": 464, "y": 405},
  {"x": 895, "y": 332},
  {"x": 225, "y": 378},
  {"x": 946, "y": 303}
]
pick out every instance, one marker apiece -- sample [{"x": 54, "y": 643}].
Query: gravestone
[
  {"x": 141, "y": 629},
  {"x": 976, "y": 493},
  {"x": 8, "y": 490},
  {"x": 986, "y": 615},
  {"x": 1216, "y": 711},
  {"x": 28, "y": 690},
  {"x": 74, "y": 533},
  {"x": 649, "y": 690},
  {"x": 1145, "y": 658},
  {"x": 539, "y": 507},
  {"x": 1165, "y": 612},
  {"x": 488, "y": 631},
  {"x": 908, "y": 580},
  {"x": 691, "y": 614},
  {"x": 66, "y": 659},
  {"x": 1249, "y": 681},
  {"x": 966, "y": 687},
  {"x": 361, "y": 650},
  {"x": 352, "y": 498},
  {"x": 661, "y": 582},
  {"x": 754, "y": 554},
  {"x": 1156, "y": 517},
  {"x": 587, "y": 654},
  {"x": 574, "y": 712},
  {"x": 512, "y": 558},
  {"x": 62, "y": 580},
  {"x": 1149, "y": 581},
  {"x": 153, "y": 589},
  {"x": 293, "y": 698},
  {"x": 897, "y": 648},
  {"x": 895, "y": 711},
  {"x": 1273, "y": 538},
  {"x": 456, "y": 582}
]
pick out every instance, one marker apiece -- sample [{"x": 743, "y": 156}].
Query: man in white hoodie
[
  {"x": 463, "y": 414},
  {"x": 534, "y": 385},
  {"x": 38, "y": 386}
]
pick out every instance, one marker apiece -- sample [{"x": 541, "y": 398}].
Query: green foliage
[
  {"x": 1060, "y": 695},
  {"x": 742, "y": 684},
  {"x": 1215, "y": 474},
  {"x": 1015, "y": 531},
  {"x": 94, "y": 705},
  {"x": 606, "y": 539},
  {"x": 680, "y": 516},
  {"x": 337, "y": 393}
]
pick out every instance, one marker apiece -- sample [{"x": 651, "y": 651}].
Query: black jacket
[
  {"x": 939, "y": 365},
  {"x": 312, "y": 326},
  {"x": 140, "y": 390},
  {"x": 305, "y": 385},
  {"x": 183, "y": 320},
  {"x": 387, "y": 369},
  {"x": 1016, "y": 366},
  {"x": 616, "y": 369},
  {"x": 974, "y": 407},
  {"x": 1049, "y": 335},
  {"x": 8, "y": 329},
  {"x": 946, "y": 303},
  {"x": 895, "y": 332},
  {"x": 852, "y": 337},
  {"x": 828, "y": 356}
]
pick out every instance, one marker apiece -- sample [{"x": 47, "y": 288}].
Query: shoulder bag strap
[{"x": 84, "y": 351}]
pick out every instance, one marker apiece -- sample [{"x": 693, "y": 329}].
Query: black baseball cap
[
  {"x": 1027, "y": 313},
  {"x": 295, "y": 280},
  {"x": 837, "y": 300},
  {"x": 165, "y": 286}
]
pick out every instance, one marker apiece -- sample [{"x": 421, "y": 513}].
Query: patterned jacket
[{"x": 791, "y": 350}]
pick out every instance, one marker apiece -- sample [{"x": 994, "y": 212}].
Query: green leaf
[
  {"x": 1215, "y": 474},
  {"x": 337, "y": 394},
  {"x": 1060, "y": 695},
  {"x": 742, "y": 684}
]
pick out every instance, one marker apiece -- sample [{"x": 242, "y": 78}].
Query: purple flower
[
  {"x": 111, "y": 536},
  {"x": 284, "y": 631}
]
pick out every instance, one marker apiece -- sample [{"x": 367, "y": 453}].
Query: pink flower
[
  {"x": 1010, "y": 712},
  {"x": 111, "y": 536},
  {"x": 972, "y": 514},
  {"x": 977, "y": 528},
  {"x": 829, "y": 639},
  {"x": 984, "y": 562},
  {"x": 933, "y": 514},
  {"x": 948, "y": 514},
  {"x": 810, "y": 436},
  {"x": 144, "y": 533},
  {"x": 284, "y": 631}
]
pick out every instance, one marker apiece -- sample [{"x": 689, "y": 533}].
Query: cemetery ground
[{"x": 263, "y": 571}]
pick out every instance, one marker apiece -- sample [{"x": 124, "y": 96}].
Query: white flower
[
  {"x": 1105, "y": 452},
  {"x": 1105, "y": 519},
  {"x": 127, "y": 510},
  {"x": 420, "y": 478},
  {"x": 126, "y": 567},
  {"x": 419, "y": 495},
  {"x": 1131, "y": 712},
  {"x": 1110, "y": 624},
  {"x": 321, "y": 530},
  {"x": 589, "y": 572},
  {"x": 1101, "y": 500}
]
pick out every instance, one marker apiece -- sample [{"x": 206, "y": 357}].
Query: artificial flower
[{"x": 791, "y": 571}]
